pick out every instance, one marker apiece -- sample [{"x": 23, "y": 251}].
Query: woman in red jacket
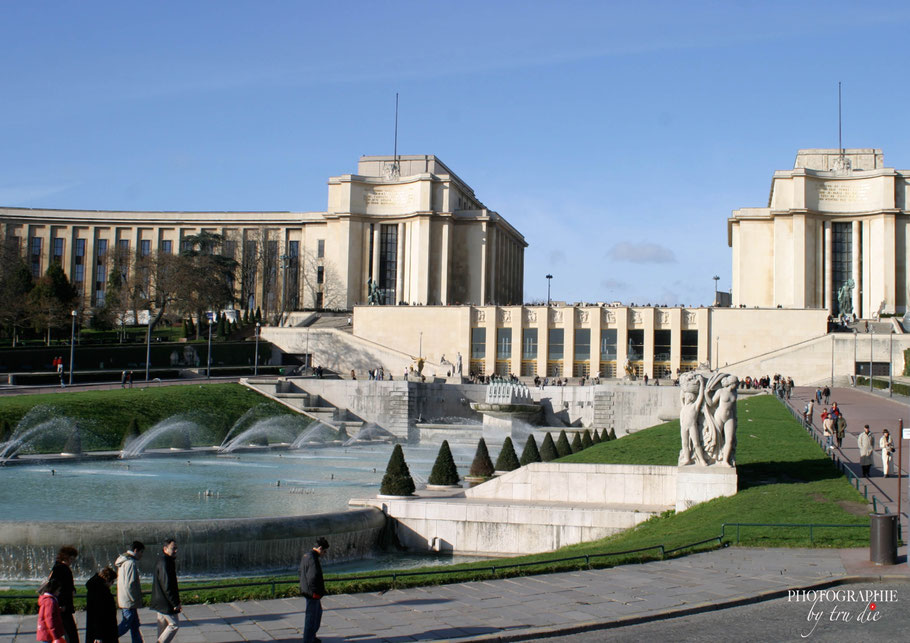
[{"x": 50, "y": 622}]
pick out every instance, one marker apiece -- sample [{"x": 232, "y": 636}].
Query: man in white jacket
[{"x": 129, "y": 590}]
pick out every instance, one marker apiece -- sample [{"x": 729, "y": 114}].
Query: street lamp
[
  {"x": 72, "y": 345},
  {"x": 285, "y": 264},
  {"x": 420, "y": 346},
  {"x": 855, "y": 335},
  {"x": 716, "y": 278},
  {"x": 148, "y": 346},
  {"x": 891, "y": 365},
  {"x": 256, "y": 357},
  {"x": 549, "y": 277},
  {"x": 208, "y": 365},
  {"x": 871, "y": 343}
]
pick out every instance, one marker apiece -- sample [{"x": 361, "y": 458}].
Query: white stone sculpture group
[{"x": 707, "y": 420}]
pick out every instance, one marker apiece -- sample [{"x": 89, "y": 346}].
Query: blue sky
[{"x": 616, "y": 136}]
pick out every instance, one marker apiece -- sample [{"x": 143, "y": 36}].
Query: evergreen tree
[
  {"x": 222, "y": 326},
  {"x": 132, "y": 432},
  {"x": 548, "y": 450},
  {"x": 397, "y": 480},
  {"x": 507, "y": 460},
  {"x": 444, "y": 469},
  {"x": 246, "y": 316},
  {"x": 612, "y": 434},
  {"x": 595, "y": 437},
  {"x": 562, "y": 445},
  {"x": 258, "y": 315},
  {"x": 343, "y": 433},
  {"x": 482, "y": 466},
  {"x": 530, "y": 453},
  {"x": 586, "y": 440},
  {"x": 576, "y": 443}
]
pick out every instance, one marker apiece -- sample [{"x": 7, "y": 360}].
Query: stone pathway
[
  {"x": 526, "y": 607},
  {"x": 879, "y": 412}
]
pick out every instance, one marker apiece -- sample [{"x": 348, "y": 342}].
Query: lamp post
[
  {"x": 148, "y": 346},
  {"x": 308, "y": 360},
  {"x": 420, "y": 346},
  {"x": 832, "y": 360},
  {"x": 716, "y": 278},
  {"x": 891, "y": 365},
  {"x": 72, "y": 345},
  {"x": 549, "y": 278},
  {"x": 208, "y": 365},
  {"x": 855, "y": 335},
  {"x": 256, "y": 357},
  {"x": 871, "y": 344},
  {"x": 285, "y": 264}
]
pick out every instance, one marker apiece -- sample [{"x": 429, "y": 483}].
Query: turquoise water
[{"x": 245, "y": 485}]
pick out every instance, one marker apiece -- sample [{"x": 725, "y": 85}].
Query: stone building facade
[
  {"x": 408, "y": 223},
  {"x": 838, "y": 216}
]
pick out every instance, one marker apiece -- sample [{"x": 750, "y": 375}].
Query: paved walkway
[
  {"x": 528, "y": 607},
  {"x": 879, "y": 412}
]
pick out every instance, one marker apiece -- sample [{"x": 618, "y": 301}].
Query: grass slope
[{"x": 107, "y": 414}]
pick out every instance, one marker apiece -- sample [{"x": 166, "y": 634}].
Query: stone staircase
[{"x": 288, "y": 394}]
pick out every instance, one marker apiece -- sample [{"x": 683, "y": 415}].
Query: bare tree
[
  {"x": 15, "y": 284},
  {"x": 51, "y": 300},
  {"x": 206, "y": 276},
  {"x": 322, "y": 282}
]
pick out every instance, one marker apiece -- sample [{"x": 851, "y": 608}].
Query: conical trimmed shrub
[
  {"x": 343, "y": 433},
  {"x": 548, "y": 450},
  {"x": 576, "y": 443},
  {"x": 507, "y": 460},
  {"x": 586, "y": 440},
  {"x": 530, "y": 453},
  {"x": 132, "y": 432},
  {"x": 261, "y": 440},
  {"x": 482, "y": 466},
  {"x": 562, "y": 445},
  {"x": 181, "y": 440},
  {"x": 397, "y": 480},
  {"x": 595, "y": 437},
  {"x": 444, "y": 469},
  {"x": 612, "y": 434}
]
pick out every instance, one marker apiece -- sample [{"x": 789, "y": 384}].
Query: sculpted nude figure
[
  {"x": 692, "y": 393},
  {"x": 724, "y": 402}
]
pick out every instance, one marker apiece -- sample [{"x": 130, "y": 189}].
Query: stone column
[
  {"x": 399, "y": 266},
  {"x": 375, "y": 258},
  {"x": 857, "y": 277},
  {"x": 829, "y": 270}
]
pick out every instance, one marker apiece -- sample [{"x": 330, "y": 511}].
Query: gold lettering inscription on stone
[
  {"x": 388, "y": 197},
  {"x": 844, "y": 192}
]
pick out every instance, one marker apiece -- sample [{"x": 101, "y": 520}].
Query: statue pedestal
[{"x": 696, "y": 484}]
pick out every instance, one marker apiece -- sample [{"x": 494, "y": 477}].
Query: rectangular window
[
  {"x": 661, "y": 346},
  {"x": 145, "y": 248},
  {"x": 58, "y": 250},
  {"x": 320, "y": 274},
  {"x": 248, "y": 268},
  {"x": 388, "y": 262},
  {"x": 123, "y": 246},
  {"x": 320, "y": 248},
  {"x": 229, "y": 249},
  {"x": 529, "y": 344},
  {"x": 100, "y": 270},
  {"x": 293, "y": 275},
  {"x": 842, "y": 262},
  {"x": 636, "y": 345},
  {"x": 555, "y": 349},
  {"x": 608, "y": 344},
  {"x": 35, "y": 256},
  {"x": 79, "y": 264},
  {"x": 582, "y": 344},
  {"x": 503, "y": 343},
  {"x": 319, "y": 300},
  {"x": 185, "y": 245},
  {"x": 478, "y": 343},
  {"x": 689, "y": 348},
  {"x": 167, "y": 247}
]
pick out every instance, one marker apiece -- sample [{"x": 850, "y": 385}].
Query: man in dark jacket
[
  {"x": 62, "y": 573},
  {"x": 165, "y": 595},
  {"x": 100, "y": 608},
  {"x": 312, "y": 586}
]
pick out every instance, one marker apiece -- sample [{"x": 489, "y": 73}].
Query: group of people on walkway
[
  {"x": 56, "y": 622},
  {"x": 834, "y": 429}
]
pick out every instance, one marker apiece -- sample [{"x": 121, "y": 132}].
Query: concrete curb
[{"x": 699, "y": 608}]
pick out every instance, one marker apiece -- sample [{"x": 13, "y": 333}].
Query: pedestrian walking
[
  {"x": 865, "y": 444},
  {"x": 886, "y": 444},
  {"x": 840, "y": 429},
  {"x": 50, "y": 620},
  {"x": 826, "y": 392},
  {"x": 122, "y": 379},
  {"x": 129, "y": 591},
  {"x": 818, "y": 395},
  {"x": 810, "y": 405},
  {"x": 62, "y": 573},
  {"x": 312, "y": 586},
  {"x": 829, "y": 429},
  {"x": 100, "y": 608},
  {"x": 165, "y": 593}
]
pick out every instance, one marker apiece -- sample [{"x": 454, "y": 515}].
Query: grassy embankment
[
  {"x": 105, "y": 415},
  {"x": 784, "y": 477}
]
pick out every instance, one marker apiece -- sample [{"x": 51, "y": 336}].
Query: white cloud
[{"x": 641, "y": 253}]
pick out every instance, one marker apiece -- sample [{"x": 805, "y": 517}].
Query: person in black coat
[
  {"x": 62, "y": 573},
  {"x": 165, "y": 594},
  {"x": 312, "y": 587},
  {"x": 101, "y": 608}
]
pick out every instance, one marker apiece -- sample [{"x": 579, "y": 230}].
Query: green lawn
[{"x": 105, "y": 415}]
